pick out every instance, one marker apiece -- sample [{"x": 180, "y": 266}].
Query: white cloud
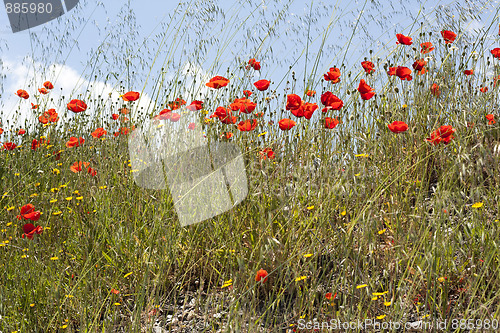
[
  {"x": 193, "y": 72},
  {"x": 67, "y": 82}
]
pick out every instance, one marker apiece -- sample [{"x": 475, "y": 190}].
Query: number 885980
[{"x": 25, "y": 8}]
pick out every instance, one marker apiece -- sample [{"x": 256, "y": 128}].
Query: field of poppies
[{"x": 373, "y": 193}]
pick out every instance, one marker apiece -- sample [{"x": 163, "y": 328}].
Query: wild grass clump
[{"x": 387, "y": 211}]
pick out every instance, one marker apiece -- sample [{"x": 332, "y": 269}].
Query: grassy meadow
[{"x": 373, "y": 189}]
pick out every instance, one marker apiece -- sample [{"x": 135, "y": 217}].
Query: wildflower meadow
[{"x": 371, "y": 185}]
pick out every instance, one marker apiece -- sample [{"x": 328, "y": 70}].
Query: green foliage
[{"x": 393, "y": 226}]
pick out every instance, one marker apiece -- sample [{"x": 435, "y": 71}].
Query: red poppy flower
[
  {"x": 286, "y": 124},
  {"x": 227, "y": 135},
  {"x": 418, "y": 65},
  {"x": 230, "y": 119},
  {"x": 115, "y": 116},
  {"x": 311, "y": 93},
  {"x": 98, "y": 133},
  {"x": 368, "y": 67},
  {"x": 267, "y": 153},
  {"x": 329, "y": 296},
  {"x": 483, "y": 89},
  {"x": 192, "y": 126},
  {"x": 426, "y": 47},
  {"x": 402, "y": 39},
  {"x": 175, "y": 117},
  {"x": 447, "y": 139},
  {"x": 114, "y": 291},
  {"x": 91, "y": 171},
  {"x": 35, "y": 144},
  {"x": 448, "y": 36},
  {"x": 259, "y": 114},
  {"x": 469, "y": 72},
  {"x": 243, "y": 105},
  {"x": 333, "y": 75},
  {"x": 293, "y": 101},
  {"x": 180, "y": 101},
  {"x": 491, "y": 119},
  {"x": 22, "y": 93},
  {"x": 49, "y": 115},
  {"x": 445, "y": 131},
  {"x": 398, "y": 127},
  {"x": 391, "y": 71},
  {"x": 444, "y": 134},
  {"x": 77, "y": 105},
  {"x": 48, "y": 85},
  {"x": 253, "y": 64},
  {"x": 43, "y": 119},
  {"x": 331, "y": 123},
  {"x": 435, "y": 89},
  {"x": 247, "y": 125},
  {"x": 331, "y": 101},
  {"x": 57, "y": 154},
  {"x": 309, "y": 109},
  {"x": 1, "y": 130},
  {"x": 130, "y": 96},
  {"x": 365, "y": 90},
  {"x": 261, "y": 275},
  {"x": 304, "y": 110},
  {"x": 298, "y": 112},
  {"x": 164, "y": 114},
  {"x": 44, "y": 141},
  {"x": 30, "y": 230},
  {"x": 217, "y": 113},
  {"x": 496, "y": 52},
  {"x": 28, "y": 213},
  {"x": 9, "y": 146},
  {"x": 77, "y": 166},
  {"x": 34, "y": 106},
  {"x": 434, "y": 138},
  {"x": 367, "y": 96},
  {"x": 262, "y": 84},
  {"x": 75, "y": 142},
  {"x": 225, "y": 115},
  {"x": 53, "y": 116},
  {"x": 404, "y": 73},
  {"x": 247, "y": 93},
  {"x": 21, "y": 132},
  {"x": 195, "y": 105},
  {"x": 217, "y": 82},
  {"x": 177, "y": 103},
  {"x": 43, "y": 91}
]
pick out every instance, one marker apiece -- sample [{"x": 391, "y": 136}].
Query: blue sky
[{"x": 92, "y": 24}]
